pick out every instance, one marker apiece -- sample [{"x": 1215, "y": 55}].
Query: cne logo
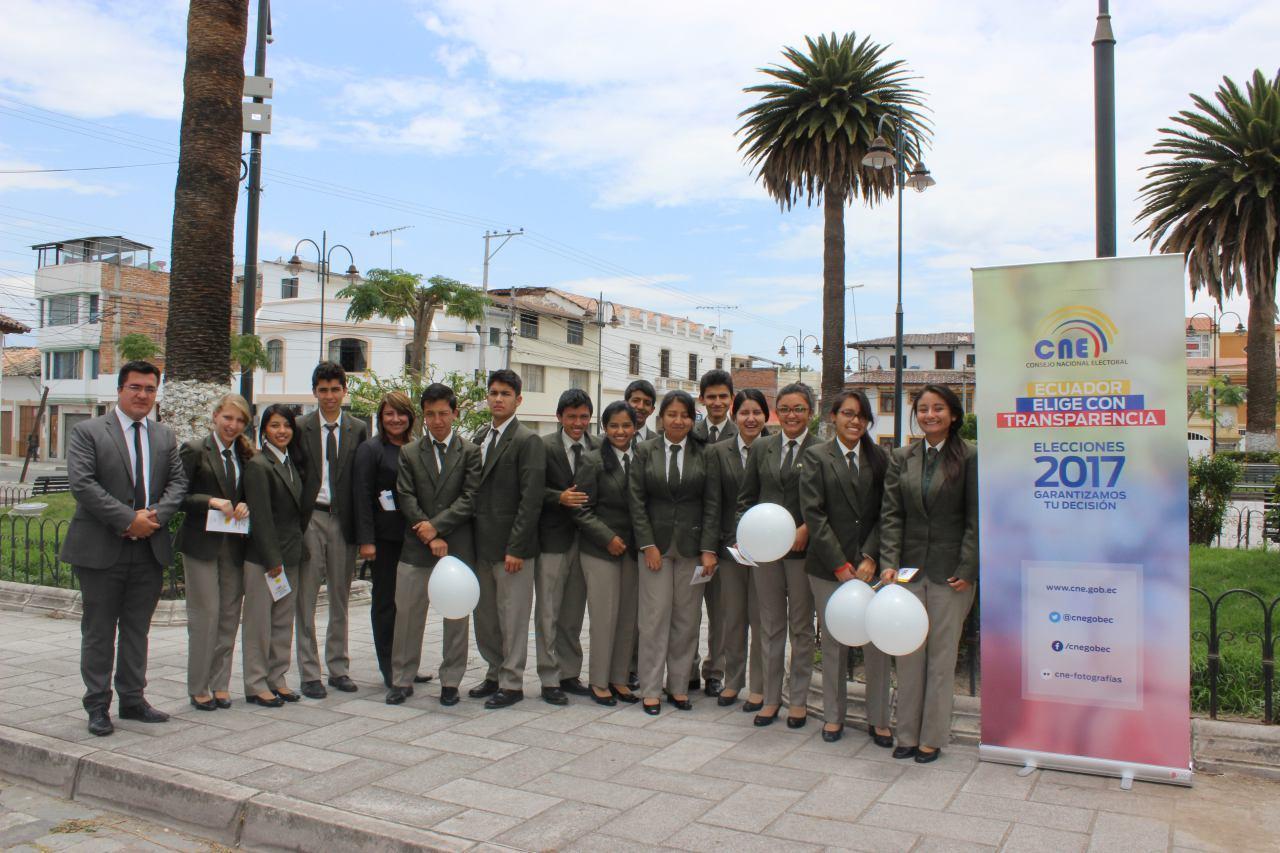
[{"x": 1075, "y": 333}]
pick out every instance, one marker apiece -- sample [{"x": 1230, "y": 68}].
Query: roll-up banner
[{"x": 1081, "y": 409}]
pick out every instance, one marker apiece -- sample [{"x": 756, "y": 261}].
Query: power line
[{"x": 85, "y": 168}]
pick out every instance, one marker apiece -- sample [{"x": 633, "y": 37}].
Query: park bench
[
  {"x": 48, "y": 484},
  {"x": 1258, "y": 481},
  {"x": 1271, "y": 522}
]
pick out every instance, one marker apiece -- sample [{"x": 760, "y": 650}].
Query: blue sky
[{"x": 607, "y": 132}]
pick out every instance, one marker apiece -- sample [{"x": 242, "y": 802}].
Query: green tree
[
  {"x": 806, "y": 137},
  {"x": 1200, "y": 400},
  {"x": 249, "y": 353},
  {"x": 138, "y": 347},
  {"x": 397, "y": 295},
  {"x": 1210, "y": 481},
  {"x": 365, "y": 391},
  {"x": 1214, "y": 199}
]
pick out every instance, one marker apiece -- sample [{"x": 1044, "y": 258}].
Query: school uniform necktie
[
  {"x": 331, "y": 457},
  {"x": 231, "y": 470},
  {"x": 577, "y": 457},
  {"x": 493, "y": 442},
  {"x": 852, "y": 458},
  {"x": 439, "y": 455},
  {"x": 715, "y": 434},
  {"x": 930, "y": 466},
  {"x": 139, "y": 470},
  {"x": 789, "y": 461},
  {"x": 626, "y": 466},
  {"x": 673, "y": 470}
]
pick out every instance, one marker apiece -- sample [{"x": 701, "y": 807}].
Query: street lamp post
[
  {"x": 1215, "y": 330},
  {"x": 800, "y": 339},
  {"x": 853, "y": 298},
  {"x": 324, "y": 252},
  {"x": 881, "y": 156},
  {"x": 600, "y": 322}
]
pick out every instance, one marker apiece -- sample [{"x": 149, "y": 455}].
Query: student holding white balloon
[
  {"x": 840, "y": 499},
  {"x": 929, "y": 521},
  {"x": 772, "y": 476},
  {"x": 437, "y": 482}
]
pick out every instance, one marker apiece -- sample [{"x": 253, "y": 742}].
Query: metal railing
[
  {"x": 1244, "y": 528},
  {"x": 1241, "y": 678}
]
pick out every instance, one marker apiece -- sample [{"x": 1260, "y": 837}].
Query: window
[
  {"x": 971, "y": 359},
  {"x": 94, "y": 314},
  {"x": 529, "y": 325},
  {"x": 893, "y": 362},
  {"x": 580, "y": 379},
  {"x": 944, "y": 360},
  {"x": 64, "y": 310},
  {"x": 886, "y": 441},
  {"x": 495, "y": 336},
  {"x": 93, "y": 364},
  {"x": 351, "y": 353},
  {"x": 63, "y": 365},
  {"x": 408, "y": 354},
  {"x": 886, "y": 402},
  {"x": 459, "y": 347},
  {"x": 693, "y": 367},
  {"x": 534, "y": 376},
  {"x": 664, "y": 363},
  {"x": 633, "y": 360},
  {"x": 289, "y": 288},
  {"x": 573, "y": 332},
  {"x": 719, "y": 364},
  {"x": 275, "y": 355}
]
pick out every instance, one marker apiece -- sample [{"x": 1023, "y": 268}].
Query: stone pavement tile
[
  {"x": 477, "y": 824},
  {"x": 839, "y": 798},
  {"x": 608, "y": 761},
  {"x": 750, "y": 771},
  {"x": 323, "y": 787},
  {"x": 421, "y": 726},
  {"x": 396, "y": 806},
  {"x": 557, "y": 826},
  {"x": 609, "y": 794},
  {"x": 487, "y": 725},
  {"x": 595, "y": 843},
  {"x": 658, "y": 818},
  {"x": 681, "y": 784},
  {"x": 307, "y": 758},
  {"x": 573, "y": 743},
  {"x": 648, "y": 736},
  {"x": 519, "y": 768},
  {"x": 494, "y": 798},
  {"x": 421, "y": 778},
  {"x": 933, "y": 844},
  {"x": 448, "y": 741},
  {"x": 1024, "y": 838},
  {"x": 704, "y": 837},
  {"x": 1066, "y": 818},
  {"x": 685, "y": 724},
  {"x": 982, "y": 830},
  {"x": 383, "y": 750},
  {"x": 1116, "y": 833},
  {"x": 1192, "y": 839},
  {"x": 344, "y": 730},
  {"x": 751, "y": 808},
  {"x": 272, "y": 778},
  {"x": 858, "y": 768},
  {"x": 999, "y": 780},
  {"x": 379, "y": 710},
  {"x": 834, "y": 833},
  {"x": 687, "y": 754},
  {"x": 566, "y": 719},
  {"x": 266, "y": 732},
  {"x": 211, "y": 762},
  {"x": 766, "y": 746},
  {"x": 631, "y": 717},
  {"x": 1113, "y": 800},
  {"x": 224, "y": 719},
  {"x": 308, "y": 712},
  {"x": 923, "y": 787}
]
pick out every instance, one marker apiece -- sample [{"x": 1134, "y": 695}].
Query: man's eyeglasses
[{"x": 149, "y": 390}]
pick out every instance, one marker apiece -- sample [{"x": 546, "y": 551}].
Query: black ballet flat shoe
[
  {"x": 607, "y": 700},
  {"x": 832, "y": 737},
  {"x": 725, "y": 701},
  {"x": 207, "y": 705},
  {"x": 904, "y": 752},
  {"x": 680, "y": 704},
  {"x": 763, "y": 720},
  {"x": 923, "y": 757},
  {"x": 796, "y": 722},
  {"x": 749, "y": 707},
  {"x": 224, "y": 704},
  {"x": 629, "y": 697},
  {"x": 273, "y": 702},
  {"x": 652, "y": 710},
  {"x": 885, "y": 741},
  {"x": 288, "y": 697}
]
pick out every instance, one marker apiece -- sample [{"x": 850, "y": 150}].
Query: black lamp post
[
  {"x": 324, "y": 252},
  {"x": 800, "y": 341}
]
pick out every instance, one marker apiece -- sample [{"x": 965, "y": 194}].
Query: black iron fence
[
  {"x": 1244, "y": 528},
  {"x": 1233, "y": 672}
]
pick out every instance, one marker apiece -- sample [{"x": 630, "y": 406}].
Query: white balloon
[
  {"x": 846, "y": 616},
  {"x": 897, "y": 621},
  {"x": 453, "y": 589},
  {"x": 767, "y": 532}
]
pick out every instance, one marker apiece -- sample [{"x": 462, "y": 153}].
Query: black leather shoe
[
  {"x": 273, "y": 702},
  {"x": 652, "y": 710},
  {"x": 207, "y": 705},
  {"x": 397, "y": 695},
  {"x": 421, "y": 679},
  {"x": 488, "y": 687},
  {"x": 224, "y": 704},
  {"x": 885, "y": 741},
  {"x": 927, "y": 757},
  {"x": 100, "y": 722},
  {"x": 749, "y": 707},
  {"x": 504, "y": 699},
  {"x": 832, "y": 737},
  {"x": 314, "y": 690},
  {"x": 606, "y": 700},
  {"x": 574, "y": 686},
  {"x": 629, "y": 697},
  {"x": 725, "y": 701},
  {"x": 695, "y": 683},
  {"x": 904, "y": 752},
  {"x": 680, "y": 704},
  {"x": 343, "y": 683},
  {"x": 796, "y": 722},
  {"x": 554, "y": 696},
  {"x": 286, "y": 696},
  {"x": 765, "y": 719},
  {"x": 448, "y": 696},
  {"x": 143, "y": 713},
  {"x": 713, "y": 687}
]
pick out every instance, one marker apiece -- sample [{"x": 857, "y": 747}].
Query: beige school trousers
[
  {"x": 214, "y": 592},
  {"x": 501, "y": 620},
  {"x": 332, "y": 560},
  {"x": 926, "y": 677},
  {"x": 786, "y": 609},
  {"x": 411, "y": 622},
  {"x": 267, "y": 632},
  {"x": 835, "y": 689}
]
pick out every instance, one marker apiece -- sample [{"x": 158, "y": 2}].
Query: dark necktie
[
  {"x": 715, "y": 434},
  {"x": 139, "y": 470},
  {"x": 288, "y": 467},
  {"x": 626, "y": 466},
  {"x": 231, "y": 472},
  {"x": 493, "y": 442},
  {"x": 577, "y": 457},
  {"x": 440, "y": 447},
  {"x": 331, "y": 456},
  {"x": 789, "y": 461},
  {"x": 852, "y": 458},
  {"x": 930, "y": 466},
  {"x": 673, "y": 470}
]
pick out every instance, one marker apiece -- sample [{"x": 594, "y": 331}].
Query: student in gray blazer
[
  {"x": 437, "y": 482},
  {"x": 840, "y": 498},
  {"x": 508, "y": 503},
  {"x": 278, "y": 510},
  {"x": 642, "y": 398},
  {"x": 329, "y": 440},
  {"x": 213, "y": 563},
  {"x": 676, "y": 516},
  {"x": 739, "y": 611},
  {"x": 127, "y": 479},
  {"x": 929, "y": 521},
  {"x": 773, "y": 474}
]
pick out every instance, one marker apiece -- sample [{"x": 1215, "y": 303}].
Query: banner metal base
[{"x": 1030, "y": 760}]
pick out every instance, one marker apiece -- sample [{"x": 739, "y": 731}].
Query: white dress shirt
[
  {"x": 568, "y": 447},
  {"x": 126, "y": 424}
]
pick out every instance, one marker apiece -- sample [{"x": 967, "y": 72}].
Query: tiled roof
[
  {"x": 10, "y": 326},
  {"x": 21, "y": 361},
  {"x": 932, "y": 339},
  {"x": 859, "y": 378}
]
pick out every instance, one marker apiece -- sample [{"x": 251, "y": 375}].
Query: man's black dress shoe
[
  {"x": 695, "y": 683},
  {"x": 100, "y": 722},
  {"x": 224, "y": 704},
  {"x": 574, "y": 686},
  {"x": 143, "y": 713},
  {"x": 421, "y": 679},
  {"x": 314, "y": 690},
  {"x": 488, "y": 687},
  {"x": 629, "y": 697},
  {"x": 679, "y": 704},
  {"x": 343, "y": 683},
  {"x": 287, "y": 697},
  {"x": 765, "y": 719},
  {"x": 923, "y": 757},
  {"x": 448, "y": 696},
  {"x": 554, "y": 696},
  {"x": 504, "y": 699},
  {"x": 832, "y": 737},
  {"x": 273, "y": 702},
  {"x": 796, "y": 722},
  {"x": 904, "y": 752},
  {"x": 207, "y": 705},
  {"x": 725, "y": 701},
  {"x": 397, "y": 695},
  {"x": 749, "y": 707},
  {"x": 713, "y": 687},
  {"x": 652, "y": 710},
  {"x": 885, "y": 741}
]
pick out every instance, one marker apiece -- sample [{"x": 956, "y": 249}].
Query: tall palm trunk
[
  {"x": 1260, "y": 349},
  {"x": 833, "y": 343},
  {"x": 198, "y": 335}
]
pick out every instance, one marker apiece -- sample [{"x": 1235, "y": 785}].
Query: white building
[{"x": 941, "y": 358}]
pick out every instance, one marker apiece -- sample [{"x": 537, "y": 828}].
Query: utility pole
[
  {"x": 260, "y": 88},
  {"x": 1104, "y": 132},
  {"x": 489, "y": 236},
  {"x": 391, "y": 235}
]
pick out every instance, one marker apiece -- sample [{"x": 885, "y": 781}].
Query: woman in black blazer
[
  {"x": 676, "y": 516},
  {"x": 740, "y": 612},
  {"x": 929, "y": 521},
  {"x": 607, "y": 549},
  {"x": 840, "y": 499},
  {"x": 379, "y": 524},
  {"x": 278, "y": 515},
  {"x": 214, "y": 562}
]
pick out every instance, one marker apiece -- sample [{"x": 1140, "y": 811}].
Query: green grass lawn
[{"x": 29, "y": 546}]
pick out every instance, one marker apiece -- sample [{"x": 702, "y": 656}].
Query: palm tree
[
  {"x": 197, "y": 339},
  {"x": 806, "y": 137},
  {"x": 397, "y": 295},
  {"x": 1216, "y": 199}
]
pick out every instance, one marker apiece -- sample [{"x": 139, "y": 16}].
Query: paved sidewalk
[{"x": 586, "y": 777}]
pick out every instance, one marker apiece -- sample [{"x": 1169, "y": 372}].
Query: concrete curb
[
  {"x": 44, "y": 762},
  {"x": 271, "y": 819}
]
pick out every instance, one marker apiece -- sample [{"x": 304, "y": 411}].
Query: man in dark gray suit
[
  {"x": 128, "y": 481},
  {"x": 715, "y": 393}
]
